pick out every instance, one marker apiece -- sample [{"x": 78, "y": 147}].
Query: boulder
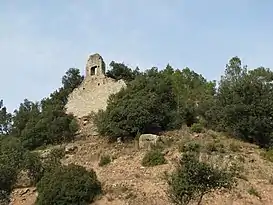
[
  {"x": 148, "y": 140},
  {"x": 71, "y": 149}
]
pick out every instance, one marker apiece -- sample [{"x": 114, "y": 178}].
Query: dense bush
[
  {"x": 193, "y": 179},
  {"x": 197, "y": 127},
  {"x": 190, "y": 147},
  {"x": 7, "y": 178},
  {"x": 104, "y": 160},
  {"x": 153, "y": 158},
  {"x": 46, "y": 122},
  {"x": 120, "y": 71},
  {"x": 145, "y": 106},
  {"x": 34, "y": 166},
  {"x": 243, "y": 104},
  {"x": 68, "y": 185},
  {"x": 154, "y": 101},
  {"x": 12, "y": 152},
  {"x": 11, "y": 162}
]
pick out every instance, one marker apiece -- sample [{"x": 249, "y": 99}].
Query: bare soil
[{"x": 126, "y": 182}]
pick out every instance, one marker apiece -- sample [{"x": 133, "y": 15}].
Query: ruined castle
[{"x": 94, "y": 91}]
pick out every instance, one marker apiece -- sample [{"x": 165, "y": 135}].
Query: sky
[{"x": 41, "y": 40}]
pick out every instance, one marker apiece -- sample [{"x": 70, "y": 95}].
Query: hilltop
[{"x": 127, "y": 136}]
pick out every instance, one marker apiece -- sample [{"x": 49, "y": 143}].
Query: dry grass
[{"x": 126, "y": 181}]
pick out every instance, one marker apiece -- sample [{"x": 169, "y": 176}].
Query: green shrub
[
  {"x": 268, "y": 155},
  {"x": 33, "y": 165},
  {"x": 254, "y": 192},
  {"x": 215, "y": 147},
  {"x": 190, "y": 147},
  {"x": 193, "y": 179},
  {"x": 153, "y": 158},
  {"x": 68, "y": 185},
  {"x": 144, "y": 106},
  {"x": 54, "y": 159},
  {"x": 7, "y": 178},
  {"x": 197, "y": 127},
  {"x": 12, "y": 152},
  {"x": 11, "y": 162},
  {"x": 104, "y": 160}
]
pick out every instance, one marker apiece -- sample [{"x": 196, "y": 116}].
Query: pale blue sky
[{"x": 40, "y": 40}]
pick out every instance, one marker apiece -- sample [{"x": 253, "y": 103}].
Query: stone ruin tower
[
  {"x": 95, "y": 66},
  {"x": 94, "y": 91}
]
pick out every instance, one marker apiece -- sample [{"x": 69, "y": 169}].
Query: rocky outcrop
[{"x": 148, "y": 140}]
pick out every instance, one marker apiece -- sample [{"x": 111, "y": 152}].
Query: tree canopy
[{"x": 155, "y": 100}]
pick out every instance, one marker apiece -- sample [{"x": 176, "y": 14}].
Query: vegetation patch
[
  {"x": 234, "y": 147},
  {"x": 193, "y": 179},
  {"x": 268, "y": 155},
  {"x": 70, "y": 184},
  {"x": 190, "y": 147},
  {"x": 254, "y": 192},
  {"x": 215, "y": 147},
  {"x": 153, "y": 158},
  {"x": 104, "y": 160},
  {"x": 197, "y": 128}
]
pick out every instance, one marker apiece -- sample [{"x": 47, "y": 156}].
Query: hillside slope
[{"x": 126, "y": 182}]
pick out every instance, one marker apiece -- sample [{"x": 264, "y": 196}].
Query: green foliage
[
  {"x": 68, "y": 185},
  {"x": 104, "y": 160},
  {"x": 190, "y": 147},
  {"x": 120, "y": 71},
  {"x": 153, "y": 158},
  {"x": 72, "y": 79},
  {"x": 46, "y": 122},
  {"x": 7, "y": 177},
  {"x": 5, "y": 120},
  {"x": 53, "y": 160},
  {"x": 243, "y": 104},
  {"x": 215, "y": 147},
  {"x": 11, "y": 162},
  {"x": 26, "y": 115},
  {"x": 34, "y": 166},
  {"x": 154, "y": 101},
  {"x": 194, "y": 179},
  {"x": 11, "y": 152},
  {"x": 254, "y": 192},
  {"x": 268, "y": 154},
  {"x": 145, "y": 106},
  {"x": 50, "y": 127},
  {"x": 197, "y": 127}
]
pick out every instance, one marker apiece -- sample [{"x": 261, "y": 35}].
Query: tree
[
  {"x": 46, "y": 122},
  {"x": 121, "y": 71},
  {"x": 67, "y": 185},
  {"x": 144, "y": 106},
  {"x": 193, "y": 179},
  {"x": 28, "y": 112},
  {"x": 192, "y": 92},
  {"x": 244, "y": 103},
  {"x": 5, "y": 120},
  {"x": 72, "y": 79},
  {"x": 11, "y": 162}
]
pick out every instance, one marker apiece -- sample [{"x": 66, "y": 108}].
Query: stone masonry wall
[{"x": 92, "y": 95}]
